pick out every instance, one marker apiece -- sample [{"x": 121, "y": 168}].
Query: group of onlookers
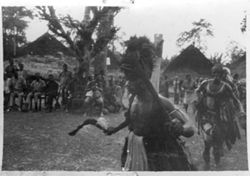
[
  {"x": 25, "y": 92},
  {"x": 183, "y": 90},
  {"x": 26, "y": 88}
]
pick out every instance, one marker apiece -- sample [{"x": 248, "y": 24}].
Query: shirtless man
[
  {"x": 153, "y": 142},
  {"x": 216, "y": 115}
]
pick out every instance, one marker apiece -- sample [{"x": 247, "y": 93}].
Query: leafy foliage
[
  {"x": 14, "y": 25},
  {"x": 80, "y": 35},
  {"x": 243, "y": 24},
  {"x": 235, "y": 51},
  {"x": 195, "y": 35}
]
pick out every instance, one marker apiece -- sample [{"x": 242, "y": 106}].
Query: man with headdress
[
  {"x": 154, "y": 123},
  {"x": 216, "y": 116}
]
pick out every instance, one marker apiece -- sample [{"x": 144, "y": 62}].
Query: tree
[
  {"x": 164, "y": 63},
  {"x": 235, "y": 51},
  {"x": 243, "y": 24},
  {"x": 14, "y": 25},
  {"x": 196, "y": 35},
  {"x": 87, "y": 38}
]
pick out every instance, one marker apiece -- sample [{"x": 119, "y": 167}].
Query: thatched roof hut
[
  {"x": 46, "y": 44},
  {"x": 190, "y": 61}
]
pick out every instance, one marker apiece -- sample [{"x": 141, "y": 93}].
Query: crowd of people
[
  {"x": 24, "y": 92},
  {"x": 155, "y": 123},
  {"x": 184, "y": 90}
]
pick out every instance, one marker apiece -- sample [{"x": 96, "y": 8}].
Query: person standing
[
  {"x": 215, "y": 115},
  {"x": 11, "y": 69},
  {"x": 51, "y": 91},
  {"x": 176, "y": 84},
  {"x": 21, "y": 72},
  {"x": 153, "y": 142},
  {"x": 188, "y": 86},
  {"x": 64, "y": 81},
  {"x": 166, "y": 87},
  {"x": 181, "y": 90},
  {"x": 10, "y": 90}
]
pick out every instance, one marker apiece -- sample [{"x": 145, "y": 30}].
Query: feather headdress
[{"x": 139, "y": 57}]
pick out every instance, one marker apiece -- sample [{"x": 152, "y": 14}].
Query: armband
[
  {"x": 176, "y": 114},
  {"x": 175, "y": 110}
]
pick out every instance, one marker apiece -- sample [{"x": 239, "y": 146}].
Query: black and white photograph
[{"x": 137, "y": 86}]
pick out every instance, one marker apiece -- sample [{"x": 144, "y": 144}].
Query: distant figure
[
  {"x": 19, "y": 89},
  {"x": 216, "y": 115},
  {"x": 51, "y": 91},
  {"x": 118, "y": 94},
  {"x": 37, "y": 87},
  {"x": 188, "y": 86},
  {"x": 94, "y": 98},
  {"x": 111, "y": 81},
  {"x": 181, "y": 90},
  {"x": 99, "y": 79},
  {"x": 11, "y": 69},
  {"x": 10, "y": 89},
  {"x": 166, "y": 84},
  {"x": 176, "y": 84},
  {"x": 236, "y": 83},
  {"x": 64, "y": 80},
  {"x": 21, "y": 72},
  {"x": 6, "y": 92}
]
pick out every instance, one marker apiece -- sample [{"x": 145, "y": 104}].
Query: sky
[{"x": 170, "y": 18}]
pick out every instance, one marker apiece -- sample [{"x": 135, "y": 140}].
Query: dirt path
[{"x": 39, "y": 141}]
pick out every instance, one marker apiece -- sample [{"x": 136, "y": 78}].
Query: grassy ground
[{"x": 39, "y": 141}]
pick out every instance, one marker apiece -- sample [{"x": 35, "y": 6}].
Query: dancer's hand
[
  {"x": 109, "y": 131},
  {"x": 174, "y": 128}
]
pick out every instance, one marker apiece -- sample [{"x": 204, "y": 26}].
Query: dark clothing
[
  {"x": 164, "y": 150},
  {"x": 51, "y": 87},
  {"x": 216, "y": 118},
  {"x": 51, "y": 93},
  {"x": 11, "y": 70},
  {"x": 167, "y": 88}
]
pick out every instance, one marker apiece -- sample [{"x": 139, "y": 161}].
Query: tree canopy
[
  {"x": 196, "y": 35},
  {"x": 86, "y": 38},
  {"x": 14, "y": 25},
  {"x": 235, "y": 51}
]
